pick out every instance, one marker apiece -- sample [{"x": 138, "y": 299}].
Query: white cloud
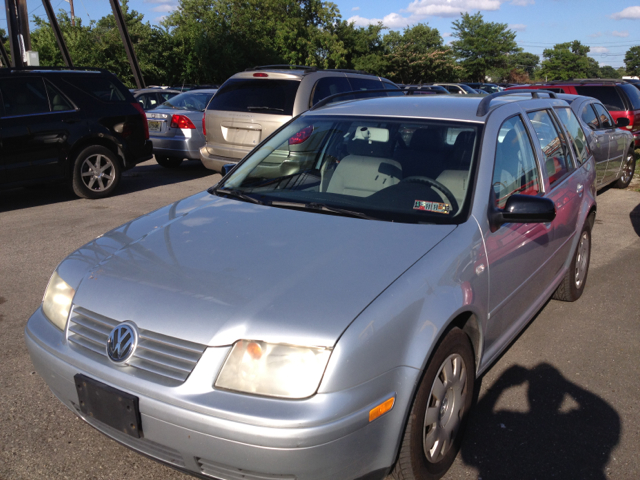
[
  {"x": 518, "y": 27},
  {"x": 355, "y": 9},
  {"x": 160, "y": 19},
  {"x": 164, "y": 8},
  {"x": 596, "y": 35},
  {"x": 629, "y": 13},
  {"x": 523, "y": 3},
  {"x": 599, "y": 50},
  {"x": 623, "y": 33},
  {"x": 446, "y": 35},
  {"x": 450, "y": 8},
  {"x": 393, "y": 20}
]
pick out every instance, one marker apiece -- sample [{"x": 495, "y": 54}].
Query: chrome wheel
[
  {"x": 97, "y": 172},
  {"x": 445, "y": 408},
  {"x": 582, "y": 260},
  {"x": 627, "y": 169}
]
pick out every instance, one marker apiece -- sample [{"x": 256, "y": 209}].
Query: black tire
[
  {"x": 572, "y": 285},
  {"x": 96, "y": 172},
  {"x": 450, "y": 412},
  {"x": 168, "y": 162},
  {"x": 628, "y": 169}
]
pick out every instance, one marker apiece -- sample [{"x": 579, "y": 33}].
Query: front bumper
[{"x": 223, "y": 434}]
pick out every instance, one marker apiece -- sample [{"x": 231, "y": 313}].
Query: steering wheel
[{"x": 434, "y": 183}]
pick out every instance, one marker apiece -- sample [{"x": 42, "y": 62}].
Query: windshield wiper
[
  {"x": 321, "y": 207},
  {"x": 236, "y": 194},
  {"x": 251, "y": 109}
]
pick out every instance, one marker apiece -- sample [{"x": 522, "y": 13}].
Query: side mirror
[
  {"x": 523, "y": 209},
  {"x": 622, "y": 122},
  {"x": 227, "y": 168}
]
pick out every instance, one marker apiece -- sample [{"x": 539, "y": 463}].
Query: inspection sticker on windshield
[{"x": 432, "y": 207}]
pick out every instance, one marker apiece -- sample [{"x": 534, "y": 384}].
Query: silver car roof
[{"x": 442, "y": 107}]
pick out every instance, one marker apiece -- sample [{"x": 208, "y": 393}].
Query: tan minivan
[{"x": 252, "y": 104}]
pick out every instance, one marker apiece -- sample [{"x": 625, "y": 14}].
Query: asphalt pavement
[{"x": 561, "y": 403}]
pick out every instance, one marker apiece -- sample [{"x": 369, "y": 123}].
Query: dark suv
[
  {"x": 621, "y": 98},
  {"x": 77, "y": 125}
]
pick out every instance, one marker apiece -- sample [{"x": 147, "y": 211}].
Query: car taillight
[
  {"x": 140, "y": 110},
  {"x": 204, "y": 124},
  {"x": 260, "y": 75},
  {"x": 181, "y": 121},
  {"x": 301, "y": 136}
]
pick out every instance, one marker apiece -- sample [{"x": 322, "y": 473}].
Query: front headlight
[
  {"x": 57, "y": 299},
  {"x": 273, "y": 369}
]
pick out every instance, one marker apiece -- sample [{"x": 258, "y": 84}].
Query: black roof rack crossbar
[
  {"x": 485, "y": 103},
  {"x": 291, "y": 67},
  {"x": 331, "y": 98},
  {"x": 586, "y": 80},
  {"x": 46, "y": 68}
]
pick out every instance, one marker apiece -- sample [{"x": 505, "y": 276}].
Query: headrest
[
  {"x": 463, "y": 139},
  {"x": 426, "y": 139},
  {"x": 370, "y": 142}
]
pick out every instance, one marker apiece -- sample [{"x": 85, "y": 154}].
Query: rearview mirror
[
  {"x": 523, "y": 209},
  {"x": 622, "y": 122}
]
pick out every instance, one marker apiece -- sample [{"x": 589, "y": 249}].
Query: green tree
[
  {"x": 482, "y": 46},
  {"x": 607, "y": 71},
  {"x": 364, "y": 47},
  {"x": 632, "y": 61},
  {"x": 568, "y": 60},
  {"x": 419, "y": 55}
]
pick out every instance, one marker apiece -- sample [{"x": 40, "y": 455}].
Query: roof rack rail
[
  {"x": 331, "y": 98},
  {"x": 348, "y": 70},
  {"x": 485, "y": 103},
  {"x": 45, "y": 68},
  {"x": 586, "y": 80},
  {"x": 291, "y": 67}
]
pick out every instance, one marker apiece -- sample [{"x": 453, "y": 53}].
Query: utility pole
[
  {"x": 18, "y": 37},
  {"x": 73, "y": 15}
]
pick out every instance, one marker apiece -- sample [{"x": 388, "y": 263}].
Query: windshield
[
  {"x": 402, "y": 170},
  {"x": 189, "y": 101}
]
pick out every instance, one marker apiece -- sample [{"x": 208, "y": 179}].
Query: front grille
[
  {"x": 159, "y": 356},
  {"x": 224, "y": 472}
]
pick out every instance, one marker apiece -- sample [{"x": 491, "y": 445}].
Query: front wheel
[
  {"x": 96, "y": 172},
  {"x": 439, "y": 412},
  {"x": 572, "y": 285},
  {"x": 628, "y": 169}
]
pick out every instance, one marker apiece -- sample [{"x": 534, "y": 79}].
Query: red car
[{"x": 621, "y": 98}]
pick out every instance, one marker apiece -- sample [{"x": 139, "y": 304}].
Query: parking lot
[{"x": 562, "y": 402}]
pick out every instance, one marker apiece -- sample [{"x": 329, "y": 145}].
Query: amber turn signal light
[{"x": 381, "y": 409}]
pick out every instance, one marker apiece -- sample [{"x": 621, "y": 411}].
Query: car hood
[{"x": 224, "y": 270}]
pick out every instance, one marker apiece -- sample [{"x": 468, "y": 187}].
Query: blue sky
[{"x": 609, "y": 28}]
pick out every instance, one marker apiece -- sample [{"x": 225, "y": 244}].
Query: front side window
[
  {"x": 576, "y": 134},
  {"x": 556, "y": 160},
  {"x": 401, "y": 170},
  {"x": 24, "y": 96},
  {"x": 589, "y": 117},
  {"x": 515, "y": 169},
  {"x": 605, "y": 117}
]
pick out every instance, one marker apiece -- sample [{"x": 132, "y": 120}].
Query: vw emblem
[{"x": 122, "y": 342}]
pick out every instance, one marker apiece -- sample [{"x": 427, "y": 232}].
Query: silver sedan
[
  {"x": 328, "y": 307},
  {"x": 176, "y": 128}
]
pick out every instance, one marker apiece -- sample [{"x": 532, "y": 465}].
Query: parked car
[
  {"x": 620, "y": 98},
  {"x": 150, "y": 98},
  {"x": 486, "y": 87},
  {"x": 612, "y": 148},
  {"x": 327, "y": 308},
  {"x": 176, "y": 127},
  {"x": 458, "y": 88},
  {"x": 81, "y": 126},
  {"x": 253, "y": 104},
  {"x": 425, "y": 89}
]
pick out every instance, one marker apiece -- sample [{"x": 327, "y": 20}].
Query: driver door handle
[{"x": 580, "y": 189}]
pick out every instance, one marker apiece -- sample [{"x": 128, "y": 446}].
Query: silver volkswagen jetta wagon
[{"x": 325, "y": 310}]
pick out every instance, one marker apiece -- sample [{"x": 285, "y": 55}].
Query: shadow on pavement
[
  {"x": 143, "y": 176},
  {"x": 635, "y": 219},
  {"x": 567, "y": 432}
]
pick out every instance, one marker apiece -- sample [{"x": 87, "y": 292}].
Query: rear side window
[
  {"x": 256, "y": 96},
  {"x": 24, "y": 96},
  {"x": 58, "y": 101},
  {"x": 553, "y": 144},
  {"x": 325, "y": 87},
  {"x": 633, "y": 94},
  {"x": 607, "y": 95},
  {"x": 576, "y": 134},
  {"x": 104, "y": 88},
  {"x": 515, "y": 170}
]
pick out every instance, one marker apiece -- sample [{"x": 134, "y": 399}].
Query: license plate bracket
[
  {"x": 109, "y": 405},
  {"x": 154, "y": 125}
]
